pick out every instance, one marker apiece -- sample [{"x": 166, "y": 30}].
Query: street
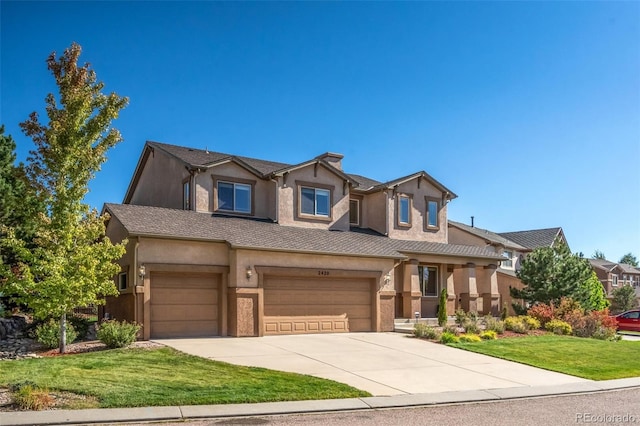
[{"x": 610, "y": 408}]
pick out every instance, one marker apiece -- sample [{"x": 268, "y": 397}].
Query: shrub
[
  {"x": 469, "y": 338},
  {"x": 80, "y": 325},
  {"x": 48, "y": 333},
  {"x": 461, "y": 317},
  {"x": 568, "y": 308},
  {"x": 557, "y": 326},
  {"x": 442, "y": 308},
  {"x": 117, "y": 334},
  {"x": 605, "y": 333},
  {"x": 595, "y": 323},
  {"x": 428, "y": 332},
  {"x": 447, "y": 337},
  {"x": 515, "y": 324},
  {"x": 452, "y": 329},
  {"x": 505, "y": 312},
  {"x": 493, "y": 324},
  {"x": 471, "y": 327},
  {"x": 542, "y": 312},
  {"x": 30, "y": 397},
  {"x": 530, "y": 322},
  {"x": 489, "y": 335},
  {"x": 624, "y": 298}
]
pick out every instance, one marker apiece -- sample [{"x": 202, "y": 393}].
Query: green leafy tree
[
  {"x": 624, "y": 298},
  {"x": 442, "y": 308},
  {"x": 550, "y": 273},
  {"x": 596, "y": 299},
  {"x": 629, "y": 259},
  {"x": 72, "y": 264},
  {"x": 599, "y": 255}
]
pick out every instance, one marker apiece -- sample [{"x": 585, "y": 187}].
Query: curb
[{"x": 179, "y": 413}]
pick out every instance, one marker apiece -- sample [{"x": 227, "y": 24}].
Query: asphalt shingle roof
[
  {"x": 365, "y": 182},
  {"x": 603, "y": 263},
  {"x": 259, "y": 234},
  {"x": 488, "y": 235},
  {"x": 629, "y": 269},
  {"x": 534, "y": 238}
]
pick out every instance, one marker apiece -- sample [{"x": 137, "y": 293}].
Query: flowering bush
[
  {"x": 557, "y": 326},
  {"x": 542, "y": 312}
]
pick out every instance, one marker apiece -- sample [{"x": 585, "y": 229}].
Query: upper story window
[
  {"x": 234, "y": 197},
  {"x": 509, "y": 262},
  {"x": 432, "y": 213},
  {"x": 122, "y": 281},
  {"x": 404, "y": 210},
  {"x": 186, "y": 194},
  {"x": 615, "y": 280},
  {"x": 354, "y": 212},
  {"x": 315, "y": 201},
  {"x": 428, "y": 280}
]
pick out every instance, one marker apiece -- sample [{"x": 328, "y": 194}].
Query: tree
[
  {"x": 72, "y": 264},
  {"x": 629, "y": 259},
  {"x": 596, "y": 299},
  {"x": 442, "y": 308},
  {"x": 550, "y": 273},
  {"x": 624, "y": 298},
  {"x": 598, "y": 255}
]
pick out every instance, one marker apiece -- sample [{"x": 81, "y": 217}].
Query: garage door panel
[
  {"x": 184, "y": 304},
  {"x": 310, "y": 305}
]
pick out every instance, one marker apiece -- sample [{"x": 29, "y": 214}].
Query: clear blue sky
[{"x": 529, "y": 111}]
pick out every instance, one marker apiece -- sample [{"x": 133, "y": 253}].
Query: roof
[
  {"x": 534, "y": 238},
  {"x": 364, "y": 182},
  {"x": 629, "y": 269},
  {"x": 605, "y": 264},
  {"x": 421, "y": 174},
  {"x": 490, "y": 237},
  {"x": 266, "y": 235}
]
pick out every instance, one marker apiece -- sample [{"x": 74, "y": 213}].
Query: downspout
[{"x": 277, "y": 200}]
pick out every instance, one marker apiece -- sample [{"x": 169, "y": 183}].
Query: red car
[{"x": 629, "y": 320}]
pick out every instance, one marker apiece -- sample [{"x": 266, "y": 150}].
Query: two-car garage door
[
  {"x": 297, "y": 305},
  {"x": 185, "y": 304}
]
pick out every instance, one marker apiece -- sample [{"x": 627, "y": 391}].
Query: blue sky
[{"x": 529, "y": 111}]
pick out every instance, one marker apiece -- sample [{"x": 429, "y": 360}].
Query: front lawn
[
  {"x": 586, "y": 358},
  {"x": 143, "y": 377}
]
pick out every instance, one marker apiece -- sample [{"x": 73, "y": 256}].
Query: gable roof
[
  {"x": 603, "y": 264},
  {"x": 488, "y": 236},
  {"x": 629, "y": 269},
  {"x": 266, "y": 235},
  {"x": 418, "y": 175},
  {"x": 364, "y": 183},
  {"x": 534, "y": 238}
]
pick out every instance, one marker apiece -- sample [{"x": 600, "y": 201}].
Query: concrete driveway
[{"x": 380, "y": 363}]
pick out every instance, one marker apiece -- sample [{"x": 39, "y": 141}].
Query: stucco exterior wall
[
  {"x": 458, "y": 236},
  {"x": 418, "y": 229},
  {"x": 156, "y": 250},
  {"x": 160, "y": 182},
  {"x": 374, "y": 211},
  {"x": 288, "y": 198},
  {"x": 504, "y": 282}
]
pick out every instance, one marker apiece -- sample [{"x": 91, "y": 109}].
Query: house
[
  {"x": 613, "y": 275},
  {"x": 536, "y": 238},
  {"x": 226, "y": 245}
]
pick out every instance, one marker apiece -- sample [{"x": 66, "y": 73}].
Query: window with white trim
[
  {"x": 315, "y": 201},
  {"x": 404, "y": 210},
  {"x": 615, "y": 280},
  {"x": 428, "y": 276},
  {"x": 122, "y": 281},
  {"x": 354, "y": 212},
  {"x": 234, "y": 197},
  {"x": 507, "y": 264},
  {"x": 432, "y": 213}
]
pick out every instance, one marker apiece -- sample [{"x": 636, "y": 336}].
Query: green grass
[
  {"x": 586, "y": 358},
  {"x": 142, "y": 377}
]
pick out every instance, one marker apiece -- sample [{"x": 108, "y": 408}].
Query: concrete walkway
[{"x": 383, "y": 364}]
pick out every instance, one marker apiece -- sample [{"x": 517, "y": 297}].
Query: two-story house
[
  {"x": 613, "y": 275},
  {"x": 228, "y": 245}
]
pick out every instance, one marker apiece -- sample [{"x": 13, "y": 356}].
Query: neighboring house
[
  {"x": 612, "y": 275},
  {"x": 537, "y": 238},
  {"x": 228, "y": 245}
]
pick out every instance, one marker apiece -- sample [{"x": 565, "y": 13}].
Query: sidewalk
[{"x": 145, "y": 414}]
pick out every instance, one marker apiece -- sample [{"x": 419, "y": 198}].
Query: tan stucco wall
[
  {"x": 458, "y": 236},
  {"x": 504, "y": 282},
  {"x": 160, "y": 183},
  {"x": 155, "y": 250},
  {"x": 263, "y": 203},
  {"x": 418, "y": 229},
  {"x": 373, "y": 211},
  {"x": 288, "y": 199}
]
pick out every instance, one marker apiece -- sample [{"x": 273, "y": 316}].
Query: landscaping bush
[
  {"x": 442, "y": 308},
  {"x": 557, "y": 326},
  {"x": 48, "y": 333},
  {"x": 29, "y": 397},
  {"x": 461, "y": 317},
  {"x": 471, "y": 327},
  {"x": 595, "y": 323},
  {"x": 469, "y": 338},
  {"x": 542, "y": 312},
  {"x": 505, "y": 312},
  {"x": 515, "y": 324},
  {"x": 489, "y": 335},
  {"x": 117, "y": 334},
  {"x": 80, "y": 324},
  {"x": 530, "y": 322},
  {"x": 568, "y": 308},
  {"x": 425, "y": 331},
  {"x": 451, "y": 329},
  {"x": 605, "y": 333},
  {"x": 447, "y": 337},
  {"x": 493, "y": 324}
]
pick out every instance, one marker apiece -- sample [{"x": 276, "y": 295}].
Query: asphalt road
[{"x": 602, "y": 408}]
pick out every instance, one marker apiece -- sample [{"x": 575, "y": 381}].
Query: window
[
  {"x": 122, "y": 281},
  {"x": 315, "y": 201},
  {"x": 234, "y": 197},
  {"x": 432, "y": 213},
  {"x": 354, "y": 212},
  {"x": 428, "y": 280},
  {"x": 507, "y": 263},
  {"x": 404, "y": 210},
  {"x": 615, "y": 280},
  {"x": 186, "y": 195}
]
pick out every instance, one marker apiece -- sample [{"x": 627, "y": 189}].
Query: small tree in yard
[
  {"x": 72, "y": 263},
  {"x": 596, "y": 299},
  {"x": 550, "y": 273},
  {"x": 442, "y": 308},
  {"x": 624, "y": 298}
]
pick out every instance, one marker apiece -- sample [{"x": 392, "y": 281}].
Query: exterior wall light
[
  {"x": 387, "y": 278},
  {"x": 142, "y": 271},
  {"x": 249, "y": 272}
]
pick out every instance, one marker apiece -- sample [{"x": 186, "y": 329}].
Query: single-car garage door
[
  {"x": 184, "y": 304},
  {"x": 307, "y": 305}
]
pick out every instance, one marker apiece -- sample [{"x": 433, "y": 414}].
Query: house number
[{"x": 324, "y": 273}]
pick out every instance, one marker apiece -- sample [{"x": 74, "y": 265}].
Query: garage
[
  {"x": 185, "y": 304},
  {"x": 299, "y": 305}
]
